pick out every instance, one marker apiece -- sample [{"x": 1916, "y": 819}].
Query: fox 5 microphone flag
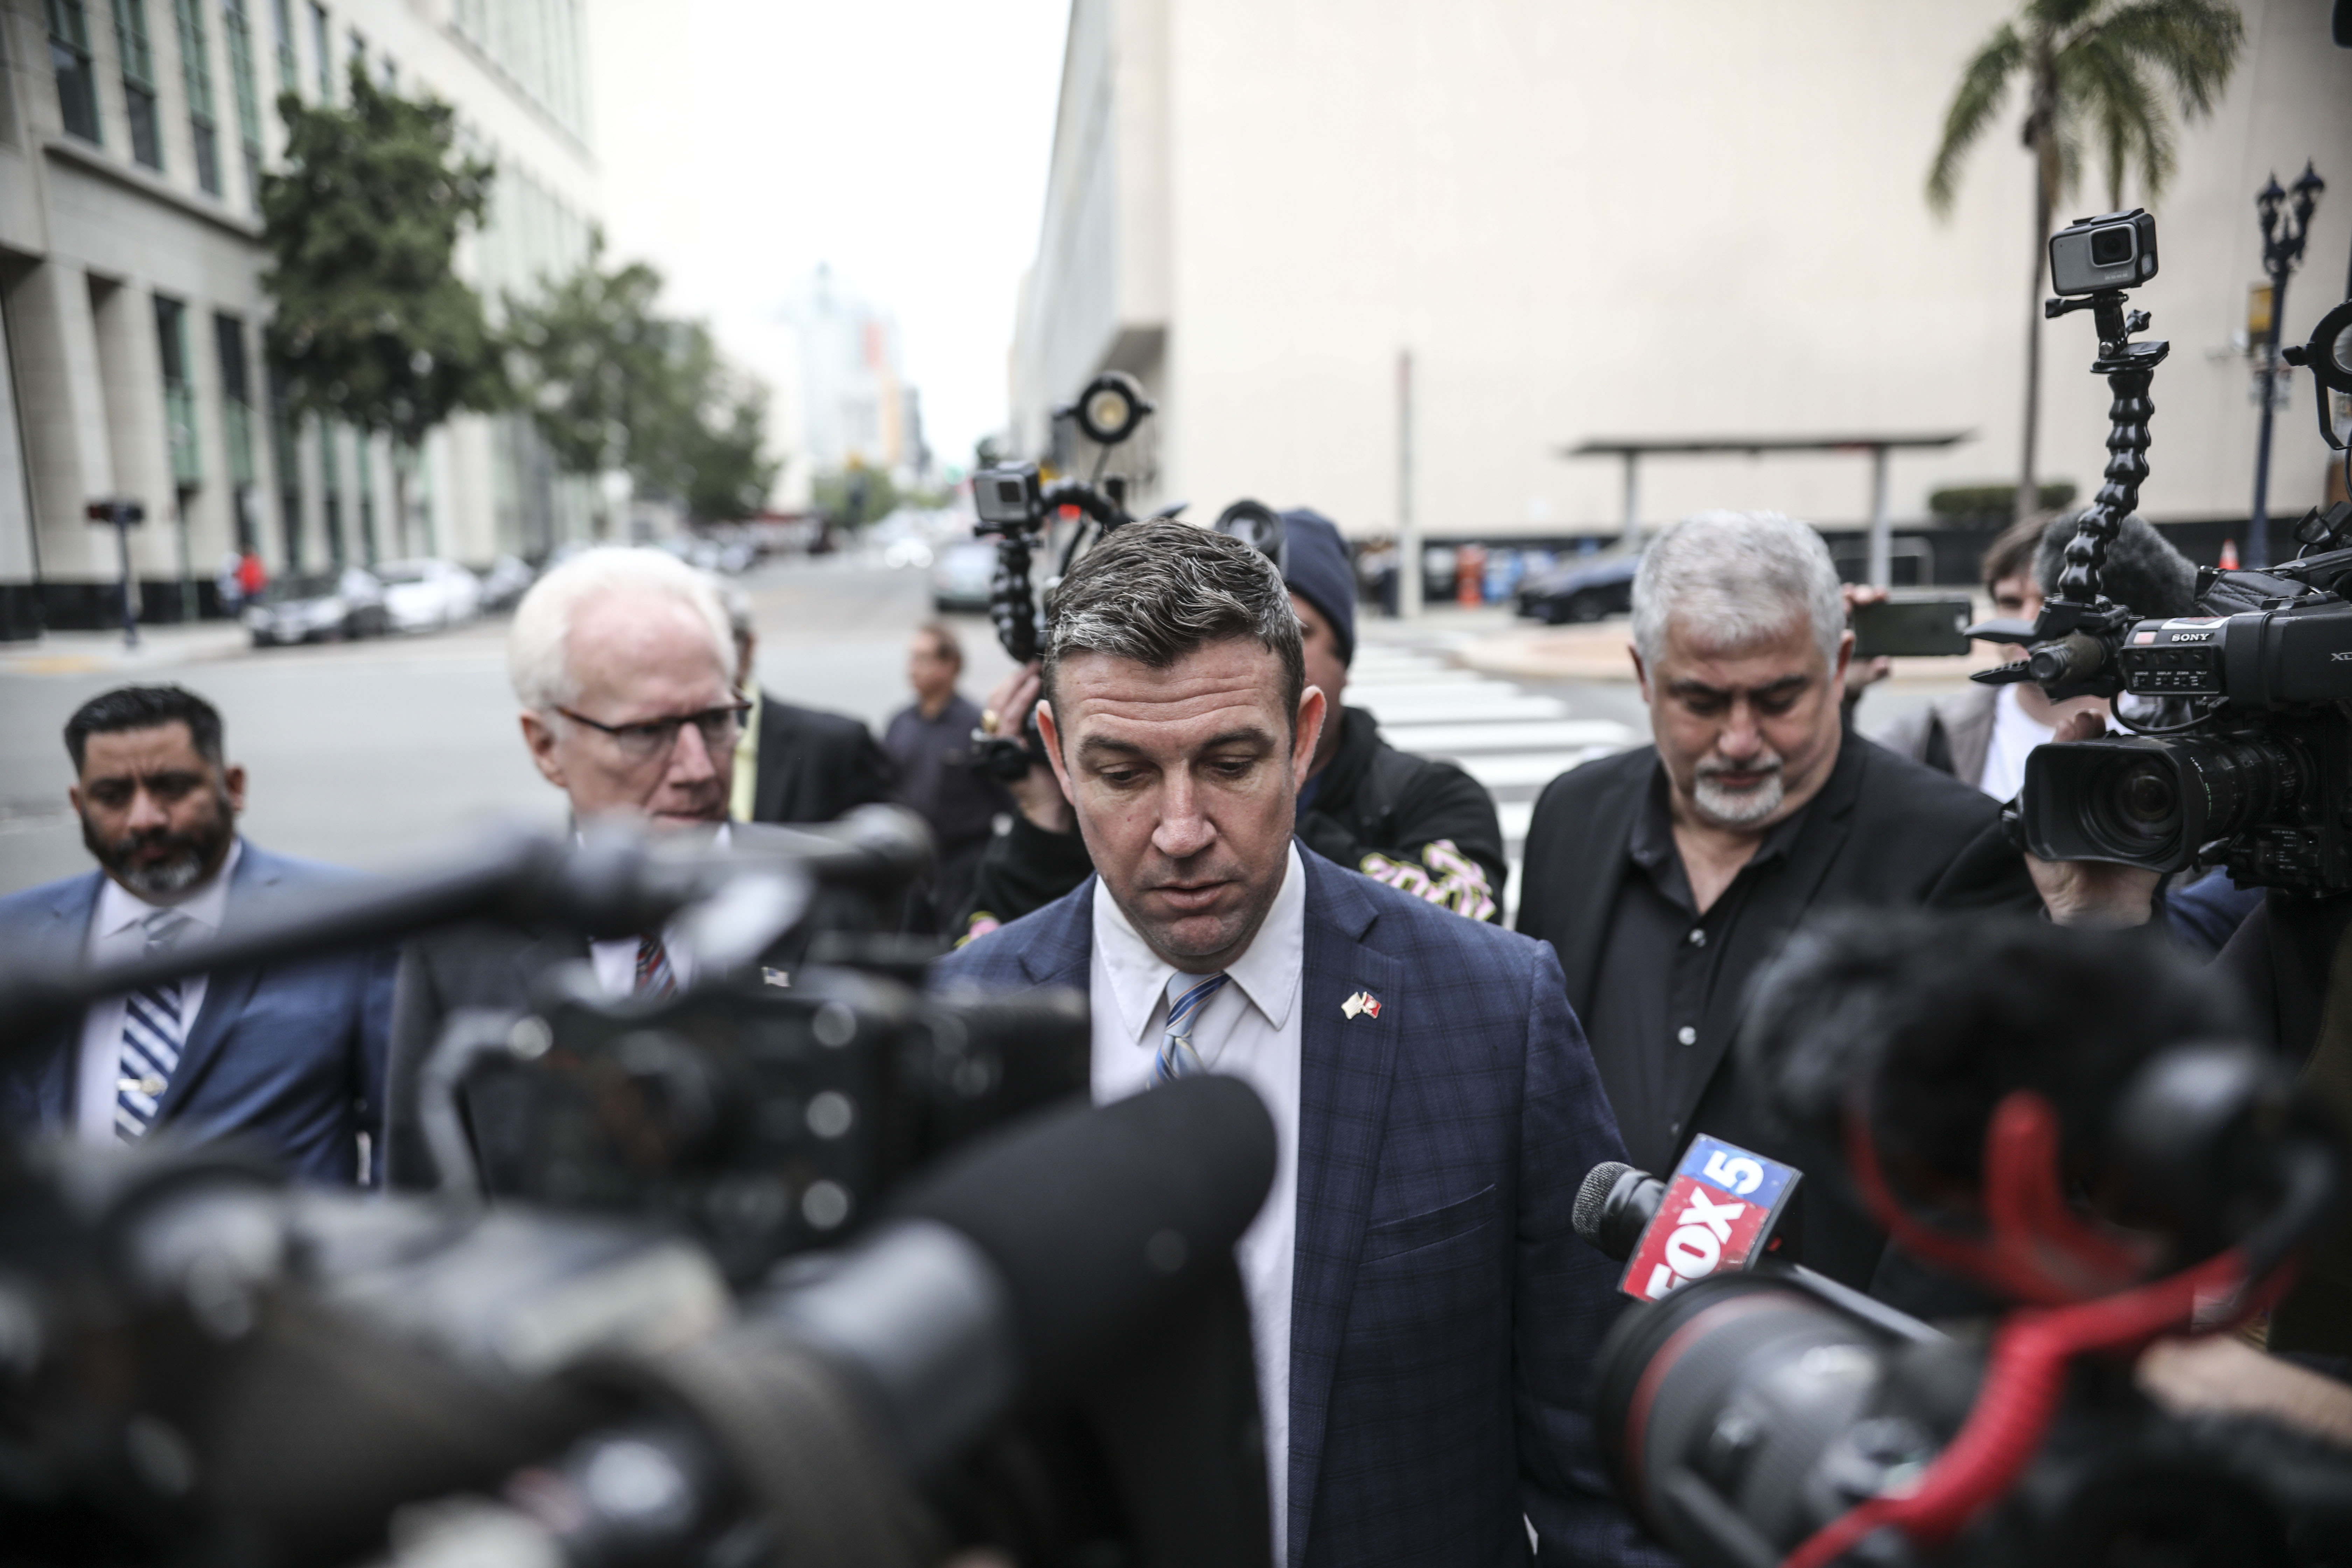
[{"x": 1717, "y": 1216}]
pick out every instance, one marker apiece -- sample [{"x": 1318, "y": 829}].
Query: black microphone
[
  {"x": 1715, "y": 1214},
  {"x": 1614, "y": 1205}
]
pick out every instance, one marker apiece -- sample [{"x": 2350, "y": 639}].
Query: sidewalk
[{"x": 102, "y": 653}]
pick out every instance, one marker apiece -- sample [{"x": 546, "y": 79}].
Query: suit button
[{"x": 1686, "y": 1034}]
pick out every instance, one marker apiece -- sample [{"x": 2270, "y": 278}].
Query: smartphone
[{"x": 1912, "y": 627}]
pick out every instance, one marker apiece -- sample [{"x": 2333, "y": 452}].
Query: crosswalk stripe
[
  {"x": 1512, "y": 741},
  {"x": 1488, "y": 700},
  {"x": 1461, "y": 740},
  {"x": 1536, "y": 768}
]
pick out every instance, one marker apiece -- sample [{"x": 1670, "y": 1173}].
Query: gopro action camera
[{"x": 2114, "y": 251}]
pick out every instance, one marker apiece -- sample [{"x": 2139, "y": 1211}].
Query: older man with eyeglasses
[{"x": 623, "y": 662}]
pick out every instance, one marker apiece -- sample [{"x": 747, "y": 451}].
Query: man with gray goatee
[
  {"x": 1424, "y": 1318},
  {"x": 1666, "y": 876}
]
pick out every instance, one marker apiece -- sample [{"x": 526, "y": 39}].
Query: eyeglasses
[{"x": 642, "y": 743}]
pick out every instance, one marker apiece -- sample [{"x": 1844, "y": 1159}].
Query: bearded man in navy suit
[
  {"x": 286, "y": 1058},
  {"x": 1424, "y": 1318}
]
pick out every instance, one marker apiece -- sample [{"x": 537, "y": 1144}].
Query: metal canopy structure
[{"x": 1631, "y": 452}]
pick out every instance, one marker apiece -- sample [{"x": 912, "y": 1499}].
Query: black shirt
[
  {"x": 936, "y": 780},
  {"x": 1657, "y": 973}
]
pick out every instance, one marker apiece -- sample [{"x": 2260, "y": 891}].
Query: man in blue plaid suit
[{"x": 1424, "y": 1319}]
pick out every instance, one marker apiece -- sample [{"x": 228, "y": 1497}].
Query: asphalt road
[{"x": 383, "y": 754}]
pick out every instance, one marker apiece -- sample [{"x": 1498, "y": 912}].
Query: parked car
[
  {"x": 428, "y": 595},
  {"x": 509, "y": 578},
  {"x": 961, "y": 576},
  {"x": 319, "y": 606},
  {"x": 1584, "y": 589}
]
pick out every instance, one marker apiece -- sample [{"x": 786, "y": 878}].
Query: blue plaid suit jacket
[{"x": 1444, "y": 1316}]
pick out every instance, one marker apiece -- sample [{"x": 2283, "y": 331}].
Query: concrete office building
[
  {"x": 132, "y": 137},
  {"x": 1587, "y": 221}
]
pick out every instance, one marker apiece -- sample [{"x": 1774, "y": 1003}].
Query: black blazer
[
  {"x": 814, "y": 766},
  {"x": 1885, "y": 832}
]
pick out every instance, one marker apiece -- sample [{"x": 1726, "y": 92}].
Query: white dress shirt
[
  {"x": 616, "y": 960},
  {"x": 1248, "y": 1030},
  {"x": 117, "y": 937}
]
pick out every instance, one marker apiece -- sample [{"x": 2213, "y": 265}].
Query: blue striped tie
[
  {"x": 152, "y": 1035},
  {"x": 1187, "y": 995}
]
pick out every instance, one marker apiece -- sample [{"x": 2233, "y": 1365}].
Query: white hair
[
  {"x": 1737, "y": 579},
  {"x": 538, "y": 660}
]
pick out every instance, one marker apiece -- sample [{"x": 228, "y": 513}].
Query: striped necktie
[
  {"x": 655, "y": 976},
  {"x": 1187, "y": 995},
  {"x": 152, "y": 1035}
]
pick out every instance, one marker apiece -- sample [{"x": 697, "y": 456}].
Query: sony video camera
[{"x": 2249, "y": 763}]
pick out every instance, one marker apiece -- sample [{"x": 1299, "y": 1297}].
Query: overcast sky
[{"x": 905, "y": 141}]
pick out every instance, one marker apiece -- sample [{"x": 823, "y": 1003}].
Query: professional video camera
[
  {"x": 1032, "y": 1336},
  {"x": 2255, "y": 773},
  {"x": 1754, "y": 1413}
]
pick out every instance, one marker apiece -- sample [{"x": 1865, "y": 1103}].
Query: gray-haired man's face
[
  {"x": 1184, "y": 782},
  {"x": 1747, "y": 734}
]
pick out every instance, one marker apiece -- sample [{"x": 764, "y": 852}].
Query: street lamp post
[{"x": 2282, "y": 248}]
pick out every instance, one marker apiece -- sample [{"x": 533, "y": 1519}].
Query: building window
[
  {"x": 285, "y": 452},
  {"x": 179, "y": 393},
  {"x": 196, "y": 73},
  {"x": 236, "y": 400},
  {"x": 322, "y": 54},
  {"x": 69, "y": 54},
  {"x": 139, "y": 82},
  {"x": 281, "y": 13},
  {"x": 359, "y": 52},
  {"x": 330, "y": 488},
  {"x": 369, "y": 551},
  {"x": 248, "y": 106}
]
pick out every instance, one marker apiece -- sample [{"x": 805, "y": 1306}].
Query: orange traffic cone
[{"x": 2229, "y": 555}]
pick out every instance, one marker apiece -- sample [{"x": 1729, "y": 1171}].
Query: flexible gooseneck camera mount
[{"x": 2073, "y": 644}]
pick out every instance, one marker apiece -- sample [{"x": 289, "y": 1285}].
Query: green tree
[
  {"x": 2090, "y": 71},
  {"x": 853, "y": 495},
  {"x": 372, "y": 325},
  {"x": 725, "y": 472},
  {"x": 614, "y": 384}
]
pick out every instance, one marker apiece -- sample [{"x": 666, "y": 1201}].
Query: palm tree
[{"x": 2089, "y": 67}]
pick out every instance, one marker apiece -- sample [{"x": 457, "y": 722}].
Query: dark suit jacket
[
  {"x": 1883, "y": 832},
  {"x": 1444, "y": 1316},
  {"x": 288, "y": 1057},
  {"x": 485, "y": 966},
  {"x": 814, "y": 766}
]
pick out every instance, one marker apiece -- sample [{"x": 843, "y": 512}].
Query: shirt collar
[
  {"x": 1653, "y": 843},
  {"x": 1266, "y": 973},
  {"x": 119, "y": 908}
]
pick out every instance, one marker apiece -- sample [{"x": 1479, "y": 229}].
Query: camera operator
[
  {"x": 625, "y": 665},
  {"x": 1985, "y": 733},
  {"x": 1665, "y": 877},
  {"x": 288, "y": 1057},
  {"x": 1426, "y": 826},
  {"x": 1423, "y": 1316}
]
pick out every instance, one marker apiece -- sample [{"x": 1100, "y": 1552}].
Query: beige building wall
[
  {"x": 1589, "y": 221},
  {"x": 91, "y": 235}
]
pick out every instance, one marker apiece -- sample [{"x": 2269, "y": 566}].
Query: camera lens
[
  {"x": 2112, "y": 247},
  {"x": 2148, "y": 796},
  {"x": 2134, "y": 807},
  {"x": 1008, "y": 492}
]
